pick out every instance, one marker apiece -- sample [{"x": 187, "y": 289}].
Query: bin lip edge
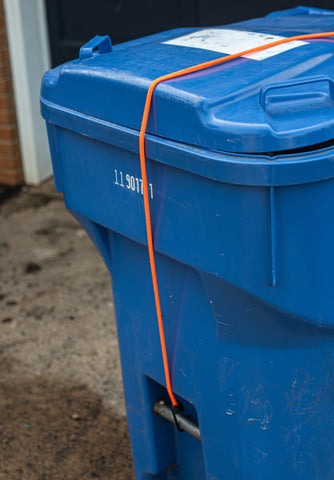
[{"x": 257, "y": 169}]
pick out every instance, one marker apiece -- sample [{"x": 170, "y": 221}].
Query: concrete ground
[{"x": 62, "y": 410}]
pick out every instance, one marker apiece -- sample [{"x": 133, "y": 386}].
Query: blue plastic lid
[{"x": 280, "y": 100}]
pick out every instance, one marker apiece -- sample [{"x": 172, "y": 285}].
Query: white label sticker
[{"x": 234, "y": 41}]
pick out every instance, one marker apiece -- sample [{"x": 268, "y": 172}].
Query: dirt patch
[
  {"x": 60, "y": 433},
  {"x": 19, "y": 199},
  {"x": 62, "y": 414}
]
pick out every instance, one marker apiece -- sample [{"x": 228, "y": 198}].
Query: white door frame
[{"x": 30, "y": 58}]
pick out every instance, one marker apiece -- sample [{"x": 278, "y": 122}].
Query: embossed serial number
[{"x": 130, "y": 182}]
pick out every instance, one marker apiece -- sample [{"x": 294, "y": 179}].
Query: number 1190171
[{"x": 130, "y": 182}]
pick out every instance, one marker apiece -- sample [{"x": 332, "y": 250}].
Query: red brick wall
[{"x": 10, "y": 157}]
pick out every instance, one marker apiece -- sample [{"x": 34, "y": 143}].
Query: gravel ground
[{"x": 62, "y": 410}]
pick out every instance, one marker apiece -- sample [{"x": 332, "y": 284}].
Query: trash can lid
[{"x": 277, "y": 100}]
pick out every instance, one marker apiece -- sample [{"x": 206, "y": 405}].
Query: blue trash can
[{"x": 240, "y": 162}]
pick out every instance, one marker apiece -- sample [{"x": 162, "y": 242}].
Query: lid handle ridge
[
  {"x": 102, "y": 43},
  {"x": 301, "y": 10},
  {"x": 264, "y": 100},
  {"x": 302, "y": 104}
]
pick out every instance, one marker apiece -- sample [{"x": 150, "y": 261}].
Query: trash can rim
[{"x": 240, "y": 169}]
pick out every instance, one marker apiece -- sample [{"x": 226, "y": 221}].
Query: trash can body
[{"x": 241, "y": 183}]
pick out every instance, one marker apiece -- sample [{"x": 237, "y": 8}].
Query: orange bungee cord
[{"x": 163, "y": 78}]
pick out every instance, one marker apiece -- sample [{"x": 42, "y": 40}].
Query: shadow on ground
[{"x": 59, "y": 433}]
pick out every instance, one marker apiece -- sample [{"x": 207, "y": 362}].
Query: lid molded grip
[
  {"x": 102, "y": 43},
  {"x": 264, "y": 100},
  {"x": 300, "y": 104},
  {"x": 301, "y": 10}
]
